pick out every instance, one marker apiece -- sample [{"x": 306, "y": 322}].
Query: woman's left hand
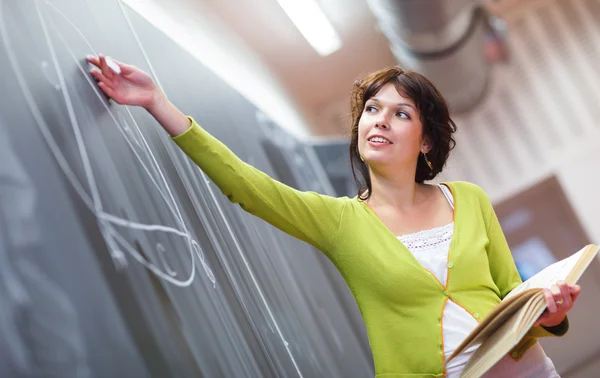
[{"x": 559, "y": 299}]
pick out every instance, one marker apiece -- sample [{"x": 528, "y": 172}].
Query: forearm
[{"x": 168, "y": 115}]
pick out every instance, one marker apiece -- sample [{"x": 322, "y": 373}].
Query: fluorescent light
[{"x": 312, "y": 23}]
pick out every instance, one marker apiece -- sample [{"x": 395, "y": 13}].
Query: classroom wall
[{"x": 541, "y": 115}]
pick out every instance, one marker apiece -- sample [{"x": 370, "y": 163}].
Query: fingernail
[{"x": 114, "y": 67}]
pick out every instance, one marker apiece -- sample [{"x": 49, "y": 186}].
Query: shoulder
[
  {"x": 335, "y": 204},
  {"x": 467, "y": 192},
  {"x": 467, "y": 188}
]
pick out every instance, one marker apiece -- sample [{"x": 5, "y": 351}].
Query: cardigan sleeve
[
  {"x": 502, "y": 265},
  {"x": 311, "y": 217},
  {"x": 504, "y": 271}
]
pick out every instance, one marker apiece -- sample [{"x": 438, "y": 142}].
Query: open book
[{"x": 507, "y": 323}]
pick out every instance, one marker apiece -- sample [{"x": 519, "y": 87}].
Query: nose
[
  {"x": 381, "y": 125},
  {"x": 381, "y": 121}
]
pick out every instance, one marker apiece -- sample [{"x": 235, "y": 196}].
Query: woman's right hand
[{"x": 131, "y": 86}]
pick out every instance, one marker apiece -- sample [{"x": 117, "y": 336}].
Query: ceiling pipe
[{"x": 442, "y": 39}]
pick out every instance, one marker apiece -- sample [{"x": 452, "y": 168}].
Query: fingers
[
  {"x": 550, "y": 301},
  {"x": 575, "y": 290},
  {"x": 93, "y": 60},
  {"x": 559, "y": 300},
  {"x": 100, "y": 62},
  {"x": 106, "y": 70},
  {"x": 558, "y": 291},
  {"x": 104, "y": 81},
  {"x": 125, "y": 68},
  {"x": 98, "y": 75},
  {"x": 109, "y": 91},
  {"x": 97, "y": 61},
  {"x": 560, "y": 297},
  {"x": 565, "y": 294}
]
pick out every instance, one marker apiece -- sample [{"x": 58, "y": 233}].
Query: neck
[{"x": 399, "y": 190}]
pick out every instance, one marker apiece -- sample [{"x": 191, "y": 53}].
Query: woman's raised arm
[{"x": 309, "y": 216}]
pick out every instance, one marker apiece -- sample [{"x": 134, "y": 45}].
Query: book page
[
  {"x": 505, "y": 338},
  {"x": 492, "y": 322},
  {"x": 549, "y": 276}
]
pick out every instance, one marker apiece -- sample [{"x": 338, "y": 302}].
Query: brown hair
[{"x": 433, "y": 111}]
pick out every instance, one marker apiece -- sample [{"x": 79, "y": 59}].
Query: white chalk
[{"x": 114, "y": 67}]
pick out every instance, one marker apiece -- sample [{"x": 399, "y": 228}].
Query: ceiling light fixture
[{"x": 310, "y": 20}]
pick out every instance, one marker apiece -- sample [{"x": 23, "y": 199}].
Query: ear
[{"x": 426, "y": 145}]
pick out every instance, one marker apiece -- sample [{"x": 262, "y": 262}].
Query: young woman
[{"x": 424, "y": 262}]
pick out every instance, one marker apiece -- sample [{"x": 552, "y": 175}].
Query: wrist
[
  {"x": 560, "y": 329},
  {"x": 159, "y": 100}
]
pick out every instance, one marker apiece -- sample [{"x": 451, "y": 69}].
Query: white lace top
[{"x": 430, "y": 248}]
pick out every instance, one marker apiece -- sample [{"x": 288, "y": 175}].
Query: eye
[
  {"x": 404, "y": 115},
  {"x": 370, "y": 109}
]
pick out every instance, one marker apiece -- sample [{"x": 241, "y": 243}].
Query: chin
[{"x": 379, "y": 161}]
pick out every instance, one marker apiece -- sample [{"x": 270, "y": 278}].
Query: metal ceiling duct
[{"x": 441, "y": 39}]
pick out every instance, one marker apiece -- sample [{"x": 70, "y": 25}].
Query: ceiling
[{"x": 320, "y": 86}]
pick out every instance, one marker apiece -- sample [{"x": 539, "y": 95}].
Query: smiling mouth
[{"x": 378, "y": 139}]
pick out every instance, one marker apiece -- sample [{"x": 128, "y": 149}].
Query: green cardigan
[{"x": 400, "y": 301}]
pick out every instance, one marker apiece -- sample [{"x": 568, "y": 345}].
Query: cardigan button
[
  {"x": 515, "y": 354},
  {"x": 450, "y": 265},
  {"x": 446, "y": 293},
  {"x": 476, "y": 315}
]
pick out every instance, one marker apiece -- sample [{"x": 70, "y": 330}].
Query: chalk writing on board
[
  {"x": 107, "y": 223},
  {"x": 161, "y": 250},
  {"x": 44, "y": 65},
  {"x": 87, "y": 183},
  {"x": 238, "y": 248},
  {"x": 128, "y": 130}
]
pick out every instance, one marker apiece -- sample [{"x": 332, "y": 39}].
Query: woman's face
[{"x": 390, "y": 131}]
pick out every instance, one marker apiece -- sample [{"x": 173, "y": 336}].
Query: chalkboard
[
  {"x": 118, "y": 256},
  {"x": 335, "y": 159}
]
